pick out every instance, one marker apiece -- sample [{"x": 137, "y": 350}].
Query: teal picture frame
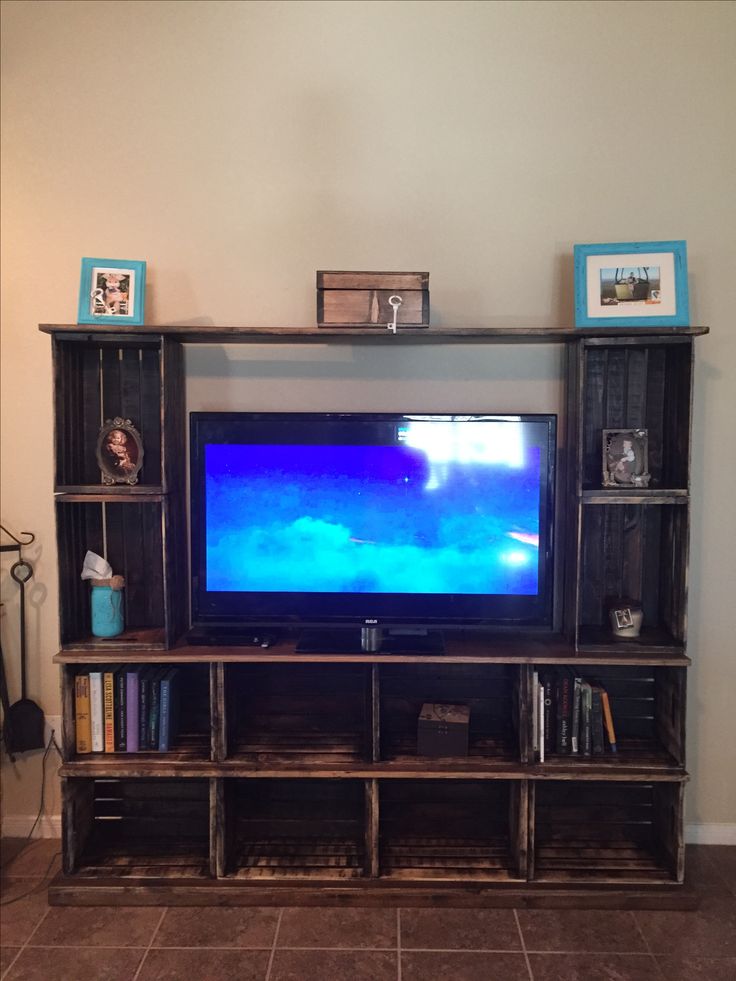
[
  {"x": 112, "y": 291},
  {"x": 615, "y": 284}
]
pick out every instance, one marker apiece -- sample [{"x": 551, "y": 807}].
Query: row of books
[
  {"x": 571, "y": 715},
  {"x": 126, "y": 709}
]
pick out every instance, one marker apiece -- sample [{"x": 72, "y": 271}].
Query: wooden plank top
[{"x": 195, "y": 334}]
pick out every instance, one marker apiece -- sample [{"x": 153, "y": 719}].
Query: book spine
[
  {"x": 597, "y": 722},
  {"x": 608, "y": 720},
  {"x": 586, "y": 707},
  {"x": 82, "y": 714},
  {"x": 108, "y": 682},
  {"x": 564, "y": 712},
  {"x": 132, "y": 695},
  {"x": 164, "y": 725},
  {"x": 575, "y": 731},
  {"x": 541, "y": 721},
  {"x": 121, "y": 727},
  {"x": 145, "y": 688},
  {"x": 95, "y": 703},
  {"x": 548, "y": 715},
  {"x": 535, "y": 714},
  {"x": 153, "y": 717}
]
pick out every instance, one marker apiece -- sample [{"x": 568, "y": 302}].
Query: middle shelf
[{"x": 347, "y": 720}]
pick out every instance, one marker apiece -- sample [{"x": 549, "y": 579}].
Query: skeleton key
[{"x": 395, "y": 302}]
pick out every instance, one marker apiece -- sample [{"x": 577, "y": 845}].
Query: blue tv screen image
[{"x": 420, "y": 506}]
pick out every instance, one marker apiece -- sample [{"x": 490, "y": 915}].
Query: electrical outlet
[{"x": 52, "y": 722}]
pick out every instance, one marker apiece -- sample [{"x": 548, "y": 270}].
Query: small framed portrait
[
  {"x": 625, "y": 458},
  {"x": 119, "y": 452},
  {"x": 631, "y": 284},
  {"x": 112, "y": 291}
]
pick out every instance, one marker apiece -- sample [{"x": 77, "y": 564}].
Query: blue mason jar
[{"x": 107, "y": 607}]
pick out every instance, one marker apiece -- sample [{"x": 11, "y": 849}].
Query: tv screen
[{"x": 388, "y": 519}]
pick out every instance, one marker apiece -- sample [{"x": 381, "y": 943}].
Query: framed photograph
[
  {"x": 631, "y": 284},
  {"x": 119, "y": 452},
  {"x": 625, "y": 458},
  {"x": 112, "y": 291}
]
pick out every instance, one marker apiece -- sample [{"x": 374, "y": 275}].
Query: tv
[{"x": 368, "y": 526}]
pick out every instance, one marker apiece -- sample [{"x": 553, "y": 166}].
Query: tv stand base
[{"x": 379, "y": 641}]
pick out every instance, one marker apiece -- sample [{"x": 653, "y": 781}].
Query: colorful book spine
[
  {"x": 596, "y": 721},
  {"x": 108, "y": 690},
  {"x": 608, "y": 721},
  {"x": 167, "y": 711},
  {"x": 96, "y": 711},
  {"x": 564, "y": 712},
  {"x": 154, "y": 711},
  {"x": 132, "y": 696},
  {"x": 143, "y": 705},
  {"x": 535, "y": 714},
  {"x": 586, "y": 711},
  {"x": 541, "y": 721},
  {"x": 121, "y": 725},
  {"x": 82, "y": 714},
  {"x": 548, "y": 729},
  {"x": 575, "y": 733}
]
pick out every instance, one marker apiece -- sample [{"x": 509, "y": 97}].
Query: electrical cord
[{"x": 52, "y": 744}]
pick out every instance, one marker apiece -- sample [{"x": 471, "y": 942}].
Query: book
[
  {"x": 144, "y": 696},
  {"x": 575, "y": 725},
  {"x": 154, "y": 708},
  {"x": 168, "y": 711},
  {"x": 121, "y": 727},
  {"x": 82, "y": 714},
  {"x": 540, "y": 693},
  {"x": 96, "y": 711},
  {"x": 535, "y": 714},
  {"x": 586, "y": 711},
  {"x": 132, "y": 706},
  {"x": 108, "y": 701},
  {"x": 608, "y": 720},
  {"x": 563, "y": 693},
  {"x": 596, "y": 720},
  {"x": 548, "y": 729}
]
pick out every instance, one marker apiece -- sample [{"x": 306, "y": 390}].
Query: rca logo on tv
[{"x": 370, "y": 621}]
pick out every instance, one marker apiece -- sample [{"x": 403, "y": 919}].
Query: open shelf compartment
[
  {"x": 295, "y": 828},
  {"x": 190, "y": 740},
  {"x": 608, "y": 832},
  {"x": 638, "y": 386},
  {"x": 633, "y": 551},
  {"x": 490, "y": 691},
  {"x": 452, "y": 830},
  {"x": 648, "y": 710},
  {"x": 300, "y": 716},
  {"x": 136, "y": 827},
  {"x": 130, "y": 534}
]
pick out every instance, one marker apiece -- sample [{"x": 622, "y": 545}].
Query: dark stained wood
[{"x": 303, "y": 768}]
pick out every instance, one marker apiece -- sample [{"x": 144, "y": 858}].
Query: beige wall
[{"x": 238, "y": 147}]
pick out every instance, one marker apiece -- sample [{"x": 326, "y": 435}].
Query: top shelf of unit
[{"x": 411, "y": 335}]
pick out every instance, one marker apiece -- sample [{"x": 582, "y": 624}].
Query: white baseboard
[
  {"x": 710, "y": 834},
  {"x": 19, "y": 826}
]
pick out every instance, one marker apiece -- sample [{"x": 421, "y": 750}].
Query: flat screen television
[{"x": 405, "y": 522}]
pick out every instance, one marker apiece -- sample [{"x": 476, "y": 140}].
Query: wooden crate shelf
[{"x": 295, "y": 777}]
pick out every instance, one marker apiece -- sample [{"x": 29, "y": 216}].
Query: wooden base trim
[{"x": 70, "y": 891}]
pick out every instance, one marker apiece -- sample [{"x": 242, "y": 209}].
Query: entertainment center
[{"x": 296, "y": 779}]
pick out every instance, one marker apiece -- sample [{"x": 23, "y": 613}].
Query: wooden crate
[
  {"x": 136, "y": 827},
  {"x": 634, "y": 550},
  {"x": 301, "y": 828},
  {"x": 608, "y": 832},
  {"x": 452, "y": 830},
  {"x": 361, "y": 299},
  {"x": 491, "y": 692},
  {"x": 139, "y": 538},
  {"x": 99, "y": 378},
  {"x": 305, "y": 716}
]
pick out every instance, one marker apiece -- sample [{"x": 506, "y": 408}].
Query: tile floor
[{"x": 40, "y": 943}]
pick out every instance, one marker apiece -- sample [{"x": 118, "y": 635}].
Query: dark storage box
[
  {"x": 360, "y": 299},
  {"x": 442, "y": 730}
]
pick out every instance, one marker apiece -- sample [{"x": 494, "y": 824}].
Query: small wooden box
[
  {"x": 442, "y": 730},
  {"x": 360, "y": 299}
]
